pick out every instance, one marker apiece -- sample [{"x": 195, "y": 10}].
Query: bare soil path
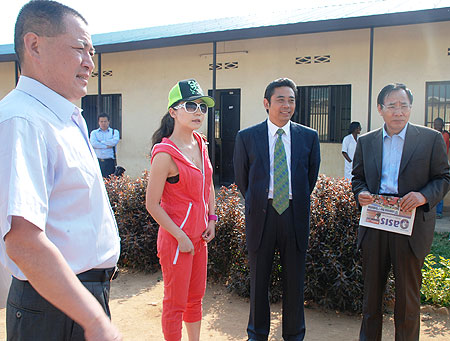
[{"x": 136, "y": 309}]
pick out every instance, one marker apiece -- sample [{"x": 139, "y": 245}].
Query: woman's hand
[
  {"x": 210, "y": 231},
  {"x": 185, "y": 244}
]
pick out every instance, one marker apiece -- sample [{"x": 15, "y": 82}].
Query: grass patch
[{"x": 441, "y": 245}]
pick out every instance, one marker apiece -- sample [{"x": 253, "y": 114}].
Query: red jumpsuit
[{"x": 186, "y": 203}]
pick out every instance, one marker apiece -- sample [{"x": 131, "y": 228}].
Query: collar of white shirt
[
  {"x": 274, "y": 128},
  {"x": 60, "y": 106}
]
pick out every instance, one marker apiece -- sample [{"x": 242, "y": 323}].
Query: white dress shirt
[
  {"x": 51, "y": 177},
  {"x": 286, "y": 138},
  {"x": 103, "y": 140},
  {"x": 392, "y": 156},
  {"x": 349, "y": 146}
]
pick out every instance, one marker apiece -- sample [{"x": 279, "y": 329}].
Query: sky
[{"x": 118, "y": 15}]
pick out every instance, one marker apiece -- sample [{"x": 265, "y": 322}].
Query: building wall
[
  {"x": 7, "y": 78},
  {"x": 145, "y": 77},
  {"x": 412, "y": 54}
]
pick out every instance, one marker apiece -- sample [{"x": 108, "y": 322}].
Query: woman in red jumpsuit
[{"x": 180, "y": 197}]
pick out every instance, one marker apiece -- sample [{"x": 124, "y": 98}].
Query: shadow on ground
[{"x": 131, "y": 283}]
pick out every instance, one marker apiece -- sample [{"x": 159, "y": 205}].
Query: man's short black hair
[
  {"x": 278, "y": 83},
  {"x": 391, "y": 88},
  {"x": 43, "y": 17},
  {"x": 103, "y": 114},
  {"x": 439, "y": 120},
  {"x": 353, "y": 126}
]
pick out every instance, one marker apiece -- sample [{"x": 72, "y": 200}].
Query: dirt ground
[{"x": 136, "y": 309}]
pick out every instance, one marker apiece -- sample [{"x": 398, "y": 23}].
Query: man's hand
[
  {"x": 50, "y": 275},
  {"x": 365, "y": 198},
  {"x": 412, "y": 200},
  {"x": 210, "y": 231},
  {"x": 102, "y": 329}
]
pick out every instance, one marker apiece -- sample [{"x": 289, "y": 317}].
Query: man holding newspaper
[{"x": 406, "y": 161}]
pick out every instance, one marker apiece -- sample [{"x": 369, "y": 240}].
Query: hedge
[{"x": 333, "y": 266}]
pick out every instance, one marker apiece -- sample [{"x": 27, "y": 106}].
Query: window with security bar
[
  {"x": 110, "y": 104},
  {"x": 326, "y": 109},
  {"x": 437, "y": 103}
]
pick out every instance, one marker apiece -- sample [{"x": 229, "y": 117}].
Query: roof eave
[
  {"x": 10, "y": 57},
  {"x": 381, "y": 20},
  {"x": 353, "y": 23}
]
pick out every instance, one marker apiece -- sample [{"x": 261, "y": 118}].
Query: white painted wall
[{"x": 412, "y": 54}]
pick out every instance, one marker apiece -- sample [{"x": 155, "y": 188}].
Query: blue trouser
[{"x": 439, "y": 207}]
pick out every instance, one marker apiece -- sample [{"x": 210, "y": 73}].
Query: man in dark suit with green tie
[{"x": 276, "y": 164}]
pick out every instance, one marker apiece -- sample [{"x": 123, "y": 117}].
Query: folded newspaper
[{"x": 385, "y": 214}]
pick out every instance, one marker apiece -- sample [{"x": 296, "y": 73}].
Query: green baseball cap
[{"x": 188, "y": 90}]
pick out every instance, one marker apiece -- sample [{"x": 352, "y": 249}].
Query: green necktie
[{"x": 280, "y": 176}]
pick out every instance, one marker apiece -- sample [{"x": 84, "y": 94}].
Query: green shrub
[
  {"x": 436, "y": 280},
  {"x": 229, "y": 241},
  {"x": 137, "y": 229},
  {"x": 227, "y": 252},
  {"x": 333, "y": 267},
  {"x": 333, "y": 262},
  {"x": 227, "y": 261}
]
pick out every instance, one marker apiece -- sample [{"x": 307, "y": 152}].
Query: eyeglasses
[
  {"x": 192, "y": 107},
  {"x": 392, "y": 108}
]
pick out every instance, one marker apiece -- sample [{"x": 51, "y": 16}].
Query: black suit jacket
[
  {"x": 251, "y": 169},
  {"x": 424, "y": 168}
]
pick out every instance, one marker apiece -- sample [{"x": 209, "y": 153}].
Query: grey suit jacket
[
  {"x": 424, "y": 168},
  {"x": 251, "y": 169}
]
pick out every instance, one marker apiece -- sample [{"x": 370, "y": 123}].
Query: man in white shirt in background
[
  {"x": 59, "y": 238},
  {"x": 349, "y": 147},
  {"x": 104, "y": 140}
]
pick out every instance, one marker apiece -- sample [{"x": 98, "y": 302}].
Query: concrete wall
[
  {"x": 7, "y": 78},
  {"x": 413, "y": 54},
  {"x": 145, "y": 77}
]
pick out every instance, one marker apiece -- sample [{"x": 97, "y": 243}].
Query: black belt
[
  {"x": 99, "y": 275},
  {"x": 103, "y": 160}
]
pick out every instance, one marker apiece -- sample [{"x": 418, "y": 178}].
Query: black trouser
[
  {"x": 107, "y": 166},
  {"x": 380, "y": 251},
  {"x": 30, "y": 317},
  {"x": 278, "y": 233}
]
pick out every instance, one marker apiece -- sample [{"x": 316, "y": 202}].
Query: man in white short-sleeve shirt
[
  {"x": 349, "y": 147},
  {"x": 56, "y": 223}
]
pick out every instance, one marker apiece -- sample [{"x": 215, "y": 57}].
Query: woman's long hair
[{"x": 165, "y": 129}]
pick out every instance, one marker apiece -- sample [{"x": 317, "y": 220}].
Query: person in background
[
  {"x": 348, "y": 148},
  {"x": 276, "y": 164},
  {"x": 180, "y": 197},
  {"x": 407, "y": 161},
  {"x": 104, "y": 140},
  {"x": 438, "y": 125},
  {"x": 59, "y": 238}
]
